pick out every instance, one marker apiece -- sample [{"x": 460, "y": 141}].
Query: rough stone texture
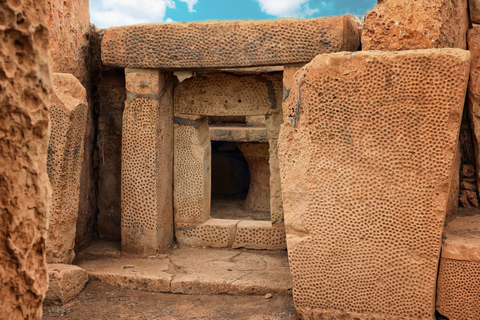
[
  {"x": 366, "y": 179},
  {"x": 406, "y": 25},
  {"x": 222, "y": 132},
  {"x": 192, "y": 170},
  {"x": 227, "y": 44},
  {"x": 458, "y": 289},
  {"x": 474, "y": 92},
  {"x": 452, "y": 204},
  {"x": 64, "y": 283},
  {"x": 260, "y": 235},
  {"x": 147, "y": 175},
  {"x": 68, "y": 115},
  {"x": 215, "y": 233},
  {"x": 69, "y": 24},
  {"x": 25, "y": 195},
  {"x": 257, "y": 156},
  {"x": 225, "y": 95},
  {"x": 474, "y": 8}
]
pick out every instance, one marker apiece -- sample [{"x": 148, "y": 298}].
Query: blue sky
[{"x": 108, "y": 13}]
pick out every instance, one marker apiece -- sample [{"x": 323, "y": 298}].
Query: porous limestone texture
[
  {"x": 68, "y": 116},
  {"x": 147, "y": 166},
  {"x": 260, "y": 235},
  {"x": 458, "y": 288},
  {"x": 25, "y": 194},
  {"x": 227, "y": 44},
  {"x": 367, "y": 154},
  {"x": 474, "y": 92},
  {"x": 257, "y": 156},
  {"x": 215, "y": 233},
  {"x": 192, "y": 170},
  {"x": 69, "y": 24},
  {"x": 474, "y": 8},
  {"x": 221, "y": 94},
  {"x": 406, "y": 25},
  {"x": 64, "y": 283},
  {"x": 233, "y": 133}
]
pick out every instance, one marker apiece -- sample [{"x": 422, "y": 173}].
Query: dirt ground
[{"x": 106, "y": 302}]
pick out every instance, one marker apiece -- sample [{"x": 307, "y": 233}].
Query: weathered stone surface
[
  {"x": 69, "y": 23},
  {"x": 260, "y": 235},
  {"x": 238, "y": 133},
  {"x": 227, "y": 44},
  {"x": 458, "y": 289},
  {"x": 257, "y": 156},
  {"x": 64, "y": 164},
  {"x": 192, "y": 170},
  {"x": 406, "y": 25},
  {"x": 64, "y": 283},
  {"x": 226, "y": 95},
  {"x": 147, "y": 171},
  {"x": 25, "y": 195},
  {"x": 215, "y": 233},
  {"x": 474, "y": 8},
  {"x": 366, "y": 179}
]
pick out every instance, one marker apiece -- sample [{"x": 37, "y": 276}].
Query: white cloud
[
  {"x": 190, "y": 4},
  {"x": 108, "y": 13},
  {"x": 287, "y": 8}
]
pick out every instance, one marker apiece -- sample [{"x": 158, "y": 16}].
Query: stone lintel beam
[
  {"x": 227, "y": 44},
  {"x": 238, "y": 134}
]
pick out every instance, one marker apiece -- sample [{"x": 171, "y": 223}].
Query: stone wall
[{"x": 25, "y": 197}]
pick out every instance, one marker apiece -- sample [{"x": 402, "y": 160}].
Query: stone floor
[{"x": 191, "y": 270}]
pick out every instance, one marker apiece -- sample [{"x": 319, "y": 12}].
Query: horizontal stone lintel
[
  {"x": 238, "y": 134},
  {"x": 177, "y": 46}
]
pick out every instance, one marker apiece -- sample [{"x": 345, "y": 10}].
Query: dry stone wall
[
  {"x": 25, "y": 194},
  {"x": 227, "y": 44},
  {"x": 386, "y": 125},
  {"x": 68, "y": 115}
]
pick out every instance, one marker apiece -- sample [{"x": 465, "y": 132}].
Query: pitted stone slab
[
  {"x": 260, "y": 235},
  {"x": 367, "y": 154},
  {"x": 215, "y": 233},
  {"x": 227, "y": 44},
  {"x": 238, "y": 133}
]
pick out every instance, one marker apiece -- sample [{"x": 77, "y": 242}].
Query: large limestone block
[
  {"x": 474, "y": 91},
  {"x": 458, "y": 289},
  {"x": 68, "y": 116},
  {"x": 192, "y": 170},
  {"x": 474, "y": 8},
  {"x": 147, "y": 168},
  {"x": 69, "y": 24},
  {"x": 65, "y": 282},
  {"x": 227, "y": 44},
  {"x": 406, "y": 25},
  {"x": 367, "y": 153},
  {"x": 25, "y": 195}
]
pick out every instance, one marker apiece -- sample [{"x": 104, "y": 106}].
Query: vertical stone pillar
[
  {"x": 193, "y": 160},
  {"x": 147, "y": 160},
  {"x": 25, "y": 195}
]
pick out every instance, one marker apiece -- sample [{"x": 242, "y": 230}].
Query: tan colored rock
[
  {"x": 474, "y": 92},
  {"x": 458, "y": 288},
  {"x": 227, "y": 44},
  {"x": 25, "y": 194},
  {"x": 64, "y": 164},
  {"x": 257, "y": 156},
  {"x": 474, "y": 8},
  {"x": 468, "y": 186},
  {"x": 471, "y": 197},
  {"x": 69, "y": 23},
  {"x": 238, "y": 133},
  {"x": 65, "y": 282},
  {"x": 452, "y": 204},
  {"x": 147, "y": 170},
  {"x": 260, "y": 235},
  {"x": 192, "y": 170},
  {"x": 215, "y": 233},
  {"x": 361, "y": 118},
  {"x": 468, "y": 170},
  {"x": 464, "y": 201},
  {"x": 406, "y": 25}
]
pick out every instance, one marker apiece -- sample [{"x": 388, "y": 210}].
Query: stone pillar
[
  {"x": 65, "y": 157},
  {"x": 367, "y": 156},
  {"x": 25, "y": 195},
  {"x": 192, "y": 170},
  {"x": 147, "y": 163}
]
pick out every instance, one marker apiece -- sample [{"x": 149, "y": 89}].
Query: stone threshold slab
[{"x": 191, "y": 270}]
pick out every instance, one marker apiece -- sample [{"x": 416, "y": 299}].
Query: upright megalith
[
  {"x": 25, "y": 88},
  {"x": 406, "y": 25},
  {"x": 65, "y": 157},
  {"x": 367, "y": 153}
]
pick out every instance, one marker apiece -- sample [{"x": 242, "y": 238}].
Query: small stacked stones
[{"x": 468, "y": 186}]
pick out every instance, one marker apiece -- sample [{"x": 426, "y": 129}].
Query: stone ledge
[
  {"x": 65, "y": 283},
  {"x": 461, "y": 239},
  {"x": 227, "y": 44},
  {"x": 238, "y": 133}
]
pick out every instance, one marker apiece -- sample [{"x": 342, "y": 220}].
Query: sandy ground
[{"x": 106, "y": 302}]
